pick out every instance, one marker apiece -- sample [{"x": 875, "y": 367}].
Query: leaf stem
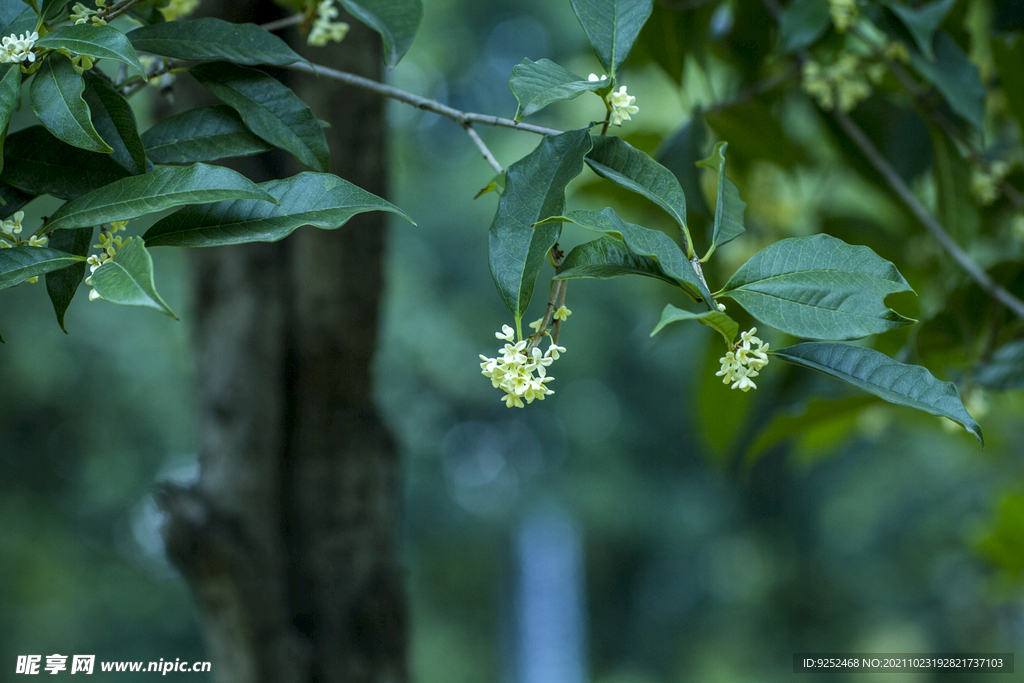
[
  {"x": 488, "y": 157},
  {"x": 284, "y": 22}
]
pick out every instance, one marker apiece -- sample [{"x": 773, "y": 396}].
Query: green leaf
[
  {"x": 729, "y": 207},
  {"x": 395, "y": 20},
  {"x": 534, "y": 190},
  {"x": 269, "y": 109},
  {"x": 18, "y": 264},
  {"x": 99, "y": 41},
  {"x": 12, "y": 199},
  {"x": 209, "y": 38},
  {"x": 1005, "y": 370},
  {"x": 803, "y": 22},
  {"x": 679, "y": 154},
  {"x": 127, "y": 279},
  {"x": 497, "y": 185},
  {"x": 62, "y": 284},
  {"x": 819, "y": 287},
  {"x": 876, "y": 373},
  {"x": 923, "y": 21},
  {"x": 954, "y": 201},
  {"x": 10, "y": 93},
  {"x": 202, "y": 134},
  {"x": 955, "y": 76},
  {"x": 38, "y": 163},
  {"x": 616, "y": 160},
  {"x": 115, "y": 122},
  {"x": 164, "y": 188},
  {"x": 612, "y": 27},
  {"x": 51, "y": 9},
  {"x": 643, "y": 242},
  {"x": 538, "y": 84},
  {"x": 24, "y": 23},
  {"x": 319, "y": 199},
  {"x": 608, "y": 257},
  {"x": 57, "y": 100},
  {"x": 10, "y": 10},
  {"x": 716, "y": 320}
]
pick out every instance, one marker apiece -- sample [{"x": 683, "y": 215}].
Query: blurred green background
[{"x": 622, "y": 531}]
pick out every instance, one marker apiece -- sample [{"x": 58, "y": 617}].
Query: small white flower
[
  {"x": 513, "y": 370},
  {"x": 324, "y": 30},
  {"x": 721, "y": 307},
  {"x": 18, "y": 49},
  {"x": 593, "y": 78},
  {"x": 562, "y": 313},
  {"x": 622, "y": 106},
  {"x": 743, "y": 361}
]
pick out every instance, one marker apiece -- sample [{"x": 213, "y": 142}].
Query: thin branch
[
  {"x": 488, "y": 157},
  {"x": 874, "y": 157},
  {"x": 460, "y": 117},
  {"x": 117, "y": 9},
  {"x": 285, "y": 22}
]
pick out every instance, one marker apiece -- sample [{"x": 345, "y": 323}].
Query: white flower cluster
[
  {"x": 985, "y": 184},
  {"x": 18, "y": 49},
  {"x": 80, "y": 14},
  {"x": 744, "y": 361},
  {"x": 621, "y": 104},
  {"x": 178, "y": 8},
  {"x": 10, "y": 230},
  {"x": 513, "y": 370},
  {"x": 110, "y": 243},
  {"x": 844, "y": 13},
  {"x": 324, "y": 30}
]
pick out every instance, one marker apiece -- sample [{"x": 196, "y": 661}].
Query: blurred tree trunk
[{"x": 288, "y": 538}]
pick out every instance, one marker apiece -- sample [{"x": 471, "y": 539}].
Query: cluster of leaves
[
  {"x": 817, "y": 288},
  {"x": 87, "y": 150}
]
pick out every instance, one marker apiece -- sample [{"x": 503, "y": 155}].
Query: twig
[
  {"x": 460, "y": 117},
  {"x": 488, "y": 157},
  {"x": 117, "y": 9},
  {"x": 285, "y": 22},
  {"x": 874, "y": 157}
]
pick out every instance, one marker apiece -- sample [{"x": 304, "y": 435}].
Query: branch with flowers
[{"x": 816, "y": 288}]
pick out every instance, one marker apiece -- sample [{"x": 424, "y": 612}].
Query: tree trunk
[{"x": 288, "y": 538}]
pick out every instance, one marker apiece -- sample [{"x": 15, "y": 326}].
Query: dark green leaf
[
  {"x": 38, "y": 163},
  {"x": 23, "y": 23},
  {"x": 1005, "y": 370},
  {"x": 955, "y": 76},
  {"x": 62, "y": 284},
  {"x": 319, "y": 199},
  {"x": 57, "y": 100},
  {"x": 12, "y": 199},
  {"x": 1009, "y": 55},
  {"x": 728, "y": 207},
  {"x": 716, "y": 320},
  {"x": 164, "y": 188},
  {"x": 269, "y": 109},
  {"x": 209, "y": 38},
  {"x": 395, "y": 20},
  {"x": 643, "y": 242},
  {"x": 876, "y": 373},
  {"x": 10, "y": 93},
  {"x": 803, "y": 22},
  {"x": 679, "y": 154},
  {"x": 115, "y": 122},
  {"x": 616, "y": 160},
  {"x": 127, "y": 279},
  {"x": 923, "y": 21},
  {"x": 606, "y": 258},
  {"x": 534, "y": 190},
  {"x": 99, "y": 41},
  {"x": 202, "y": 134},
  {"x": 612, "y": 27},
  {"x": 18, "y": 264},
  {"x": 819, "y": 287},
  {"x": 538, "y": 84}
]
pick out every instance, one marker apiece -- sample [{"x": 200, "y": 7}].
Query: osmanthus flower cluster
[
  {"x": 10, "y": 236},
  {"x": 17, "y": 49},
  {"x": 620, "y": 105},
  {"x": 513, "y": 370},
  {"x": 110, "y": 244},
  {"x": 324, "y": 29},
  {"x": 743, "y": 361}
]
